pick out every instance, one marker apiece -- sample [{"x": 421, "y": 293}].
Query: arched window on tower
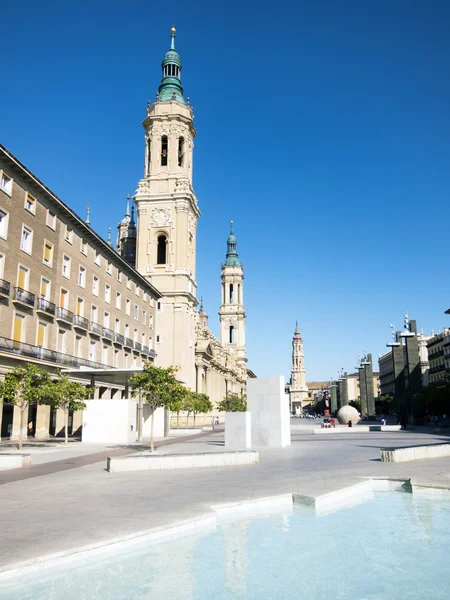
[
  {"x": 180, "y": 151},
  {"x": 149, "y": 155},
  {"x": 231, "y": 334},
  {"x": 231, "y": 294},
  {"x": 162, "y": 250},
  {"x": 164, "y": 150}
]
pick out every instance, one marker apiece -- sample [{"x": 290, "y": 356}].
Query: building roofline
[{"x": 80, "y": 223}]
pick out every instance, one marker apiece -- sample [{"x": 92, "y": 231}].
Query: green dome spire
[
  {"x": 232, "y": 259},
  {"x": 170, "y": 87}
]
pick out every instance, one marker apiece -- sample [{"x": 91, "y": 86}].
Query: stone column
[
  {"x": 42, "y": 421},
  {"x": 77, "y": 422},
  {"x": 59, "y": 424},
  {"x": 363, "y": 391},
  {"x": 368, "y": 371},
  {"x": 16, "y": 425},
  {"x": 333, "y": 397}
]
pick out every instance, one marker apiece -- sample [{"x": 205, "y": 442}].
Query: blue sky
[{"x": 323, "y": 132}]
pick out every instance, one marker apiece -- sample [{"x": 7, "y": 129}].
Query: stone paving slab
[{"x": 71, "y": 508}]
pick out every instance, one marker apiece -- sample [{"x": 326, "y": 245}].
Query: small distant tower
[
  {"x": 232, "y": 314},
  {"x": 126, "y": 236},
  {"x": 298, "y": 389}
]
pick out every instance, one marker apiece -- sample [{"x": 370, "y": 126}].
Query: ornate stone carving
[
  {"x": 160, "y": 216},
  {"x": 143, "y": 187},
  {"x": 183, "y": 185},
  {"x": 192, "y": 224}
]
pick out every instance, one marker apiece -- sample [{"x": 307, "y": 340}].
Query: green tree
[
  {"x": 177, "y": 402},
  {"x": 67, "y": 395},
  {"x": 356, "y": 404},
  {"x": 24, "y": 387},
  {"x": 200, "y": 403},
  {"x": 233, "y": 403},
  {"x": 158, "y": 387}
]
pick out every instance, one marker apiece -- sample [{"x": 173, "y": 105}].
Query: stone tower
[
  {"x": 168, "y": 212},
  {"x": 298, "y": 389},
  {"x": 126, "y": 236},
  {"x": 232, "y": 313}
]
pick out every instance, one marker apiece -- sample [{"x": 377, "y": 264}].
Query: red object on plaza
[{"x": 326, "y": 412}]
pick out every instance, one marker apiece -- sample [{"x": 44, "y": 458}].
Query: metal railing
[
  {"x": 80, "y": 321},
  {"x": 5, "y": 287},
  {"x": 145, "y": 349},
  {"x": 22, "y": 295},
  {"x": 137, "y": 346},
  {"x": 128, "y": 342},
  {"x": 95, "y": 328},
  {"x": 119, "y": 339},
  {"x": 65, "y": 315},
  {"x": 46, "y": 306},
  {"x": 37, "y": 352},
  {"x": 108, "y": 333}
]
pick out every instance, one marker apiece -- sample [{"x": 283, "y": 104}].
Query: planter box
[{"x": 238, "y": 430}]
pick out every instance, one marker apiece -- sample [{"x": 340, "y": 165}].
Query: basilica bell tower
[
  {"x": 298, "y": 391},
  {"x": 232, "y": 313},
  {"x": 167, "y": 219}
]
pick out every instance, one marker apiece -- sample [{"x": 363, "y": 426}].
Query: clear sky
[{"x": 323, "y": 132}]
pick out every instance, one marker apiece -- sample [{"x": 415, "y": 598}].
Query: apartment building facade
[{"x": 68, "y": 299}]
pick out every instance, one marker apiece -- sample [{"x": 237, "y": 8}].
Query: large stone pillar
[
  {"x": 77, "y": 422},
  {"x": 363, "y": 391},
  {"x": 368, "y": 371},
  {"x": 16, "y": 425},
  {"x": 59, "y": 423},
  {"x": 42, "y": 422}
]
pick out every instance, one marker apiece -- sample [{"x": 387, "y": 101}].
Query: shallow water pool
[{"x": 395, "y": 546}]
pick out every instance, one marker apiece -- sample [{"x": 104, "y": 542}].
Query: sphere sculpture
[{"x": 346, "y": 414}]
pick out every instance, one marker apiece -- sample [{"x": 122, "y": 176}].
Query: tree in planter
[
  {"x": 25, "y": 387},
  {"x": 188, "y": 405},
  {"x": 200, "y": 404},
  {"x": 233, "y": 403},
  {"x": 67, "y": 395},
  {"x": 178, "y": 402},
  {"x": 158, "y": 387}
]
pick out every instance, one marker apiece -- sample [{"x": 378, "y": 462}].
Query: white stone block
[
  {"x": 397, "y": 455},
  {"x": 152, "y": 462},
  {"x": 158, "y": 428},
  {"x": 238, "y": 430},
  {"x": 109, "y": 421},
  {"x": 14, "y": 461},
  {"x": 269, "y": 407}
]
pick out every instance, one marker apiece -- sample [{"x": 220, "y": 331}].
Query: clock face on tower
[{"x": 295, "y": 376}]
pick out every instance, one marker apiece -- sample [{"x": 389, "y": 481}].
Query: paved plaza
[{"x": 68, "y": 500}]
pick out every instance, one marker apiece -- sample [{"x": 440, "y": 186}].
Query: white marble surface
[{"x": 269, "y": 406}]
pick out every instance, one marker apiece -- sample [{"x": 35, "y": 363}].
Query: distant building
[{"x": 437, "y": 346}]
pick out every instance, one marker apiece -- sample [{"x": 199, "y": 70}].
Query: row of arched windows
[{"x": 165, "y": 152}]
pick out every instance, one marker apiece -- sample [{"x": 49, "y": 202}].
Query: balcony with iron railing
[
  {"x": 128, "y": 342},
  {"x": 24, "y": 297},
  {"x": 137, "y": 346},
  {"x": 107, "y": 333},
  {"x": 64, "y": 315},
  {"x": 145, "y": 349},
  {"x": 119, "y": 339},
  {"x": 45, "y": 306},
  {"x": 5, "y": 287},
  {"x": 80, "y": 322},
  {"x": 39, "y": 353},
  {"x": 95, "y": 328}
]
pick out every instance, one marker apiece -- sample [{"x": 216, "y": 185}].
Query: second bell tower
[{"x": 168, "y": 212}]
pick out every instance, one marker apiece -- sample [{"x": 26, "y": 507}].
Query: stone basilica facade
[{"x": 164, "y": 239}]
